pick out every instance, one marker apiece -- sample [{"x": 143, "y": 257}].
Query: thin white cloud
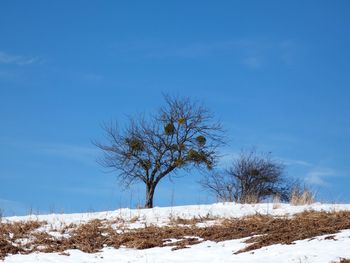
[
  {"x": 83, "y": 154},
  {"x": 193, "y": 50},
  {"x": 248, "y": 52},
  {"x": 198, "y": 49},
  {"x": 11, "y": 59},
  {"x": 288, "y": 161},
  {"x": 252, "y": 62},
  {"x": 97, "y": 189},
  {"x": 318, "y": 175},
  {"x": 227, "y": 158},
  {"x": 92, "y": 77},
  {"x": 288, "y": 51},
  {"x": 91, "y": 191},
  {"x": 74, "y": 152}
]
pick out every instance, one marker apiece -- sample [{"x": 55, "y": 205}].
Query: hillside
[{"x": 198, "y": 233}]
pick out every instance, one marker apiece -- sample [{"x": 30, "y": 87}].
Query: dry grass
[
  {"x": 276, "y": 202},
  {"x": 302, "y": 197},
  {"x": 13, "y": 234},
  {"x": 93, "y": 236},
  {"x": 249, "y": 199},
  {"x": 134, "y": 219},
  {"x": 302, "y": 226},
  {"x": 175, "y": 221}
]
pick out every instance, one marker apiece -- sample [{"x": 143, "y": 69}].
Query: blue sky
[{"x": 275, "y": 72}]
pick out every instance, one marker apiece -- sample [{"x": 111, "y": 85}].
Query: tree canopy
[{"x": 182, "y": 134}]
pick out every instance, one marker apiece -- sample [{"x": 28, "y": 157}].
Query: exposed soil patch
[{"x": 25, "y": 237}]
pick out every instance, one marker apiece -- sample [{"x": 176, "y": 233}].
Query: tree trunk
[{"x": 149, "y": 195}]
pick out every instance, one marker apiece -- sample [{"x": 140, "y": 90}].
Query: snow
[
  {"x": 312, "y": 250},
  {"x": 315, "y": 251},
  {"x": 161, "y": 215}
]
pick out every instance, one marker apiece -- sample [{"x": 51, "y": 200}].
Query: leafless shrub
[
  {"x": 251, "y": 178},
  {"x": 221, "y": 185}
]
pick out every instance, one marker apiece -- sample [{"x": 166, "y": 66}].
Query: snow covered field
[
  {"x": 325, "y": 248},
  {"x": 161, "y": 215}
]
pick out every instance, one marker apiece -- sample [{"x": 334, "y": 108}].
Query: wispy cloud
[
  {"x": 83, "y": 154},
  {"x": 227, "y": 158},
  {"x": 312, "y": 174},
  {"x": 288, "y": 50},
  {"x": 288, "y": 161},
  {"x": 92, "y": 77},
  {"x": 74, "y": 152},
  {"x": 252, "y": 53},
  {"x": 92, "y": 190},
  {"x": 318, "y": 175},
  {"x": 252, "y": 62},
  {"x": 192, "y": 50},
  {"x": 11, "y": 59},
  {"x": 196, "y": 49}
]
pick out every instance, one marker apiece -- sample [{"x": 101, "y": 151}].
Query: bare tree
[
  {"x": 181, "y": 135},
  {"x": 251, "y": 178},
  {"x": 221, "y": 185}
]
